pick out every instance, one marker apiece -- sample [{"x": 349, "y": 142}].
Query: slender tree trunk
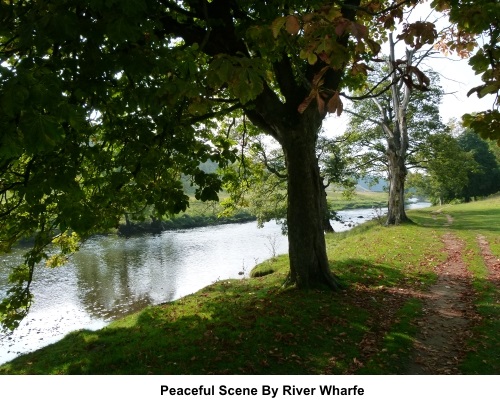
[{"x": 307, "y": 248}]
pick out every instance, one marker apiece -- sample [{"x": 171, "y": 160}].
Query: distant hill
[{"x": 371, "y": 184}]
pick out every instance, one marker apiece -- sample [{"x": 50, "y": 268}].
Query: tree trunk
[
  {"x": 127, "y": 220},
  {"x": 307, "y": 248},
  {"x": 397, "y": 176},
  {"x": 327, "y": 226},
  {"x": 397, "y": 142}
]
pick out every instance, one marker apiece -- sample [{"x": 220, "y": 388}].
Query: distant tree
[
  {"x": 485, "y": 180},
  {"x": 444, "y": 169},
  {"x": 390, "y": 129},
  {"x": 461, "y": 168}
]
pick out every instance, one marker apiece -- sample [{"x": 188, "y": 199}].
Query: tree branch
[{"x": 215, "y": 114}]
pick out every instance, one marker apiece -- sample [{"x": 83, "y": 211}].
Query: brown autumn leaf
[
  {"x": 308, "y": 17},
  {"x": 423, "y": 80},
  {"x": 340, "y": 108},
  {"x": 341, "y": 26},
  {"x": 303, "y": 106},
  {"x": 360, "y": 68},
  {"x": 292, "y": 25},
  {"x": 335, "y": 104},
  {"x": 324, "y": 57},
  {"x": 321, "y": 103},
  {"x": 318, "y": 78},
  {"x": 359, "y": 31},
  {"x": 373, "y": 45}
]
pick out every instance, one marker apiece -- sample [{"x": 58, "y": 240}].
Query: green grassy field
[
  {"x": 255, "y": 326},
  {"x": 361, "y": 199}
]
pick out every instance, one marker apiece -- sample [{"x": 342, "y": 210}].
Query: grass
[
  {"x": 361, "y": 199},
  {"x": 481, "y": 218},
  {"x": 469, "y": 221},
  {"x": 255, "y": 326}
]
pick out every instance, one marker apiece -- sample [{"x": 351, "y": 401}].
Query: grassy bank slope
[{"x": 254, "y": 326}]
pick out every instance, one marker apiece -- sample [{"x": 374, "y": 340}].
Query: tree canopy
[
  {"x": 476, "y": 24},
  {"x": 485, "y": 179},
  {"x": 104, "y": 104}
]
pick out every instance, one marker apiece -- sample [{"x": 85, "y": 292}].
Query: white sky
[{"x": 457, "y": 78}]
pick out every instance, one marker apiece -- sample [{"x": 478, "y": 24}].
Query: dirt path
[
  {"x": 491, "y": 261},
  {"x": 448, "y": 314}
]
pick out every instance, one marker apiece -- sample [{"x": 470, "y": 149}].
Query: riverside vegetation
[
  {"x": 200, "y": 213},
  {"x": 255, "y": 326}
]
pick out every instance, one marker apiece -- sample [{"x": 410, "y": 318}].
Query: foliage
[
  {"x": 368, "y": 118},
  {"x": 460, "y": 168},
  {"x": 105, "y": 105},
  {"x": 94, "y": 124},
  {"x": 486, "y": 179},
  {"x": 473, "y": 19},
  {"x": 258, "y": 181},
  {"x": 337, "y": 164},
  {"x": 446, "y": 169}
]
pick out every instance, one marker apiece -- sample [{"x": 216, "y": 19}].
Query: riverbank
[
  {"x": 254, "y": 326},
  {"x": 184, "y": 221},
  {"x": 359, "y": 200},
  {"x": 201, "y": 214}
]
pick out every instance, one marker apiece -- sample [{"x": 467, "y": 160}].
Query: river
[{"x": 113, "y": 276}]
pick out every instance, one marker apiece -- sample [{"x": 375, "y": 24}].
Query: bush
[{"x": 261, "y": 271}]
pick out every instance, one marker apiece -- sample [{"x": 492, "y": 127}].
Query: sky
[{"x": 456, "y": 78}]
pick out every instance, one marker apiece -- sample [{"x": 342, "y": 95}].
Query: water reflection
[{"x": 111, "y": 277}]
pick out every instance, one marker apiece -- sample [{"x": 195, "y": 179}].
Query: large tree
[
  {"x": 258, "y": 181},
  {"x": 391, "y": 130},
  {"x": 106, "y": 103}
]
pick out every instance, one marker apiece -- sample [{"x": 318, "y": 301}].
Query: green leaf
[
  {"x": 489, "y": 89},
  {"x": 277, "y": 24},
  {"x": 120, "y": 30},
  {"x": 41, "y": 132},
  {"x": 312, "y": 58}
]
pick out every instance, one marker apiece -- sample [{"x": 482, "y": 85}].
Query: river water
[{"x": 113, "y": 276}]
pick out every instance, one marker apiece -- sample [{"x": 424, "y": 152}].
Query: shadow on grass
[{"x": 241, "y": 327}]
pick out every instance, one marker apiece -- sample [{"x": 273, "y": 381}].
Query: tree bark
[
  {"x": 397, "y": 143},
  {"x": 396, "y": 213},
  {"x": 309, "y": 265},
  {"x": 327, "y": 226}
]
